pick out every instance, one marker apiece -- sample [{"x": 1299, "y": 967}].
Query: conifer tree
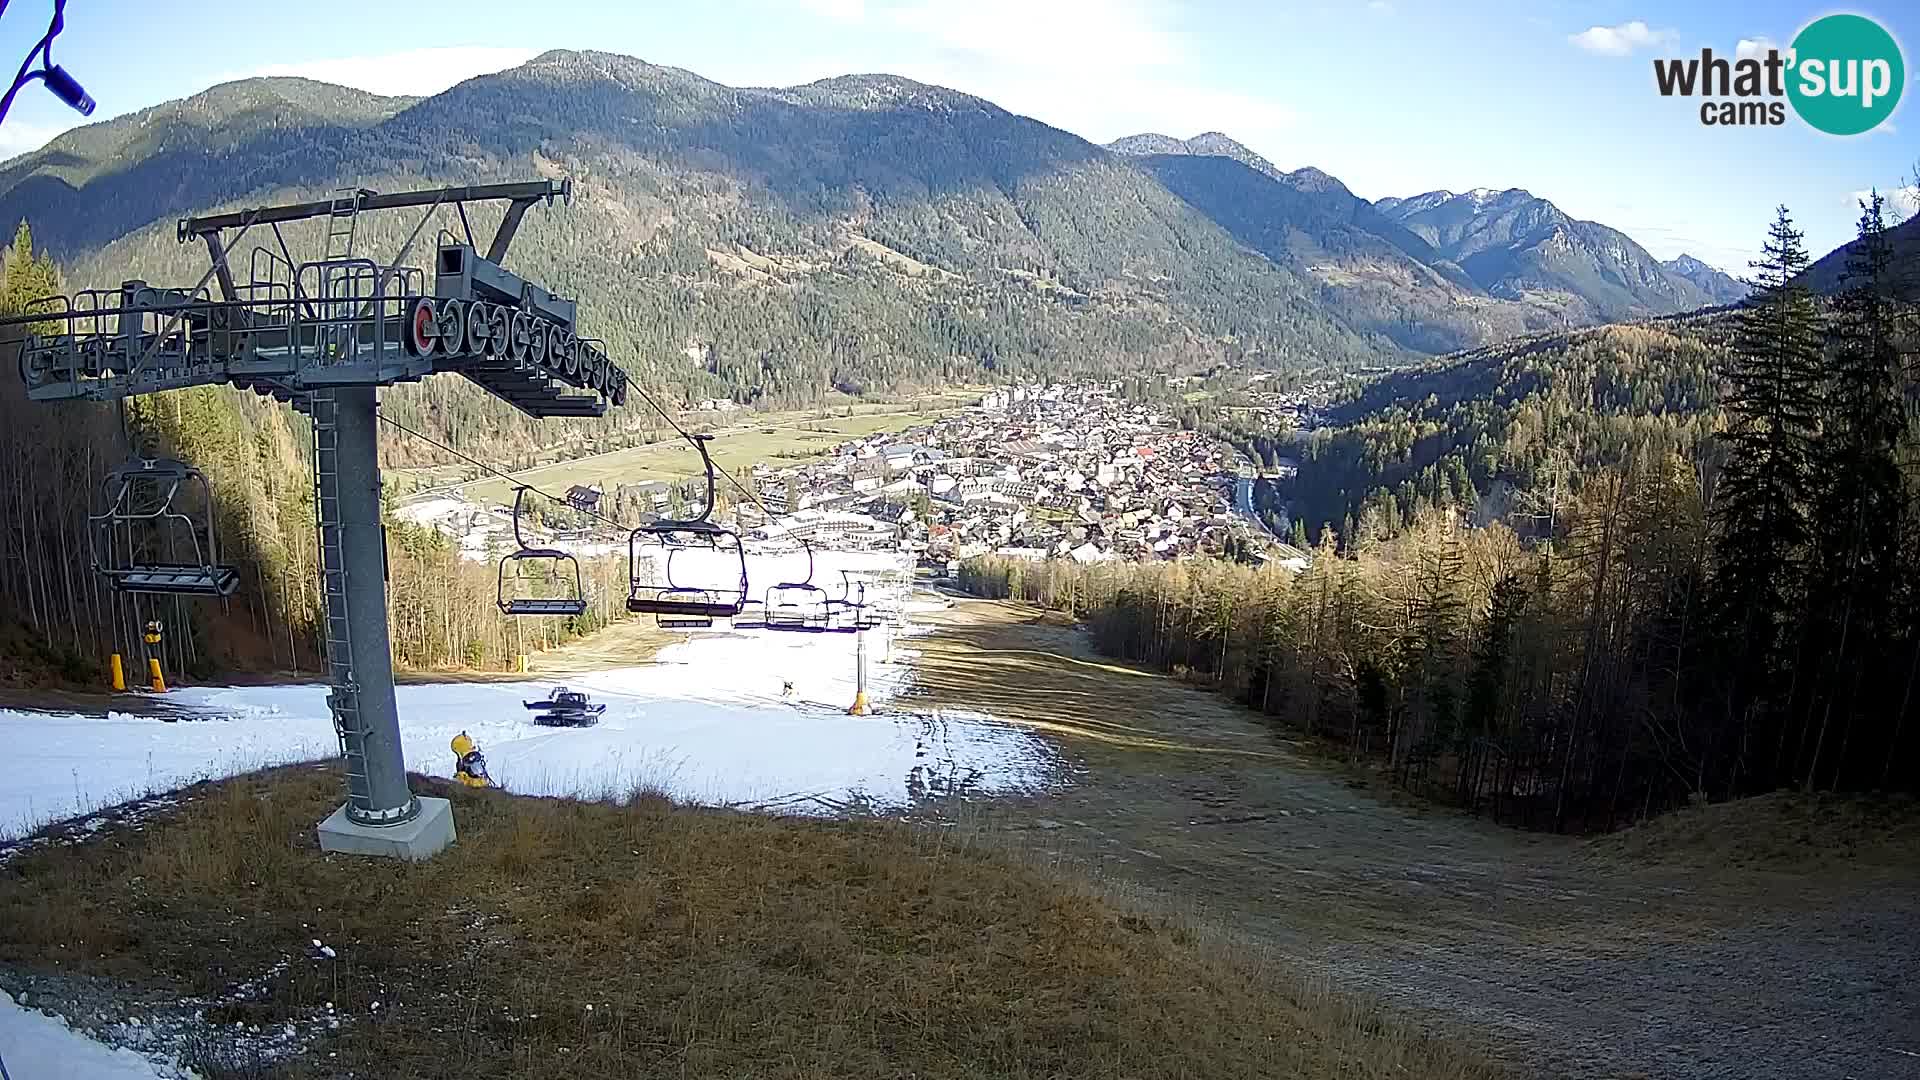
[
  {"x": 1856, "y": 519},
  {"x": 1771, "y": 401}
]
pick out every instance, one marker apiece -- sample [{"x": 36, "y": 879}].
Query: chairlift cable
[
  {"x": 518, "y": 484},
  {"x": 682, "y": 432}
]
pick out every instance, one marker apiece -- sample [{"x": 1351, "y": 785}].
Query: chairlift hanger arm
[{"x": 519, "y": 499}]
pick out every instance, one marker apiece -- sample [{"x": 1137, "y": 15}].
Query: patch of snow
[
  {"x": 711, "y": 721},
  {"x": 37, "y": 1046}
]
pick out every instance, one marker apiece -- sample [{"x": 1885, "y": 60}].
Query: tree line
[{"x": 1702, "y": 606}]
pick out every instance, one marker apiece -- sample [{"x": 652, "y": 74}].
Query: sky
[{"x": 1394, "y": 97}]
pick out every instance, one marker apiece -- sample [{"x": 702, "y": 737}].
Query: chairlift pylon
[
  {"x": 141, "y": 510},
  {"x": 675, "y": 604},
  {"x": 536, "y": 605}
]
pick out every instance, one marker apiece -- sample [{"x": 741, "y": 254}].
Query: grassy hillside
[{"x": 567, "y": 939}]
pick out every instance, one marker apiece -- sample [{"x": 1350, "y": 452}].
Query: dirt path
[{"x": 1578, "y": 963}]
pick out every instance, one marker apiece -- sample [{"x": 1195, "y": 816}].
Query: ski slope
[{"x": 709, "y": 722}]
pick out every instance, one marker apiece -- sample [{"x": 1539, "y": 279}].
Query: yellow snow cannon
[{"x": 469, "y": 766}]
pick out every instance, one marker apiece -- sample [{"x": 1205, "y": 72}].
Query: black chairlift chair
[
  {"x": 798, "y": 606},
  {"x": 655, "y": 590},
  {"x": 692, "y": 607},
  {"x": 506, "y": 597},
  {"x": 142, "y": 517}
]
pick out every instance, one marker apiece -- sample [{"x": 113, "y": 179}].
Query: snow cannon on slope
[{"x": 469, "y": 766}]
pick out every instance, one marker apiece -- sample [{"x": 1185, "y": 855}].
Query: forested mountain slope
[
  {"x": 1515, "y": 244},
  {"x": 1826, "y": 274},
  {"x": 1508, "y": 432},
  {"x": 1437, "y": 272},
  {"x": 857, "y": 233}
]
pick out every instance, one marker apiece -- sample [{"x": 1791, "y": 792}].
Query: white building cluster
[{"x": 1058, "y": 471}]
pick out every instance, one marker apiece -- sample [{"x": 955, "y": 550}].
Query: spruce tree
[
  {"x": 1856, "y": 519},
  {"x": 1773, "y": 416}
]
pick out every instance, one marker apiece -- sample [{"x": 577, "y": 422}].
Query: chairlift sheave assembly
[
  {"x": 142, "y": 513},
  {"x": 686, "y": 602},
  {"x": 507, "y": 597}
]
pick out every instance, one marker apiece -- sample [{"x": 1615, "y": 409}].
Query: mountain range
[
  {"x": 862, "y": 232},
  {"x": 1490, "y": 264}
]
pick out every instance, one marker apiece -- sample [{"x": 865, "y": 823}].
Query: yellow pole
[
  {"x": 523, "y": 663},
  {"x": 859, "y": 706},
  {"x": 119, "y": 673},
  {"x": 153, "y": 674}
]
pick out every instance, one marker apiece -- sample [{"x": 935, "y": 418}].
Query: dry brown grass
[
  {"x": 1011, "y": 661},
  {"x": 707, "y": 944},
  {"x": 1784, "y": 831}
]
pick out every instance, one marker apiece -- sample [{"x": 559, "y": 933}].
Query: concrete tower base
[{"x": 428, "y": 834}]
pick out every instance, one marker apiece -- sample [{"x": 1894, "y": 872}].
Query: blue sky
[{"x": 1394, "y": 97}]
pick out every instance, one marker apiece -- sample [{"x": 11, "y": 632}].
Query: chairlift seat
[
  {"x": 141, "y": 511},
  {"x": 175, "y": 579},
  {"x": 793, "y": 617},
  {"x": 575, "y": 604},
  {"x": 538, "y": 606},
  {"x": 693, "y": 603},
  {"x": 798, "y": 605},
  {"x": 848, "y": 617},
  {"x": 680, "y": 604}
]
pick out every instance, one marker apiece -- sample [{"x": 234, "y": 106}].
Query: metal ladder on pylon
[
  {"x": 344, "y": 698},
  {"x": 342, "y": 217},
  {"x": 336, "y": 280}
]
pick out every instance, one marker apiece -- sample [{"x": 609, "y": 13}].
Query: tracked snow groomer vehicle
[{"x": 565, "y": 708}]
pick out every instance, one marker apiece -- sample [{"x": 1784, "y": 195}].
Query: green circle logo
[{"x": 1845, "y": 74}]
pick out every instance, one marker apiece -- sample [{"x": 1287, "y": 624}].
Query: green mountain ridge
[
  {"x": 1828, "y": 273},
  {"x": 1436, "y": 272},
  {"x": 956, "y": 199},
  {"x": 1493, "y": 430},
  {"x": 858, "y": 233}
]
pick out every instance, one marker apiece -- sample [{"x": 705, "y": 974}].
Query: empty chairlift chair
[
  {"x": 798, "y": 606},
  {"x": 850, "y": 613},
  {"x": 697, "y": 595},
  {"x": 510, "y": 596},
  {"x": 146, "y": 542}
]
